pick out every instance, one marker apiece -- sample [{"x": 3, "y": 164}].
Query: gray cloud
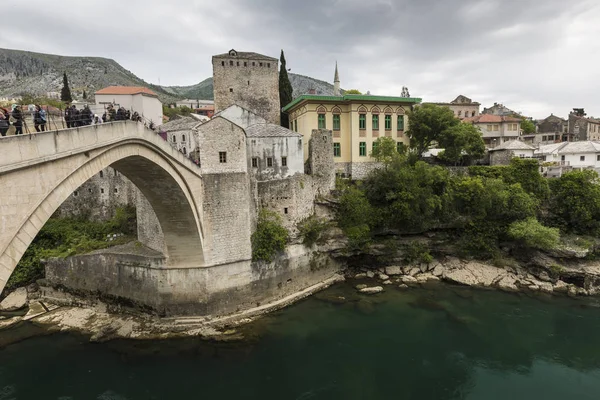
[{"x": 535, "y": 56}]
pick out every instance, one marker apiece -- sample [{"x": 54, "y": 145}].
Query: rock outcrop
[{"x": 17, "y": 300}]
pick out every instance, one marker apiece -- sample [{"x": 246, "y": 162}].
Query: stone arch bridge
[{"x": 39, "y": 171}]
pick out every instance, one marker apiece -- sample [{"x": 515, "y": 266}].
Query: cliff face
[{"x": 23, "y": 72}]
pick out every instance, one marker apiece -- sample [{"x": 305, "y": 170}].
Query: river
[{"x": 443, "y": 342}]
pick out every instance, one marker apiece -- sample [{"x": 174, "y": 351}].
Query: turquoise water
[{"x": 438, "y": 343}]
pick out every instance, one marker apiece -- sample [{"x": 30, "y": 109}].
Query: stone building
[
  {"x": 357, "y": 122},
  {"x": 462, "y": 107},
  {"x": 582, "y": 128},
  {"x": 502, "y": 154},
  {"x": 496, "y": 129},
  {"x": 180, "y": 135},
  {"x": 549, "y": 130},
  {"x": 500, "y": 110},
  {"x": 250, "y": 80}
]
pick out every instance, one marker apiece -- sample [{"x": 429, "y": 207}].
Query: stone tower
[
  {"x": 336, "y": 82},
  {"x": 250, "y": 80}
]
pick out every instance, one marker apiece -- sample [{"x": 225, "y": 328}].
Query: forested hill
[{"x": 23, "y": 72}]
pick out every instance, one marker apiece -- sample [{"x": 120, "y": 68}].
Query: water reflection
[{"x": 437, "y": 343}]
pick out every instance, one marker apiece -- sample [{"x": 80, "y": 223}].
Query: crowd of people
[{"x": 73, "y": 117}]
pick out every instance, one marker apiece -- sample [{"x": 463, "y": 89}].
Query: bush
[
  {"x": 534, "y": 235},
  {"x": 270, "y": 236},
  {"x": 311, "y": 230},
  {"x": 417, "y": 252}
]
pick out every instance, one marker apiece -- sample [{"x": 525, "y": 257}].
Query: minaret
[{"x": 336, "y": 82}]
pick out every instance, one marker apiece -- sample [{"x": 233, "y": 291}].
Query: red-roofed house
[
  {"x": 496, "y": 129},
  {"x": 133, "y": 98}
]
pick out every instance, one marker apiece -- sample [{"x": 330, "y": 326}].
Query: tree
[
  {"x": 427, "y": 123},
  {"x": 65, "y": 93},
  {"x": 527, "y": 126},
  {"x": 385, "y": 150},
  {"x": 533, "y": 234},
  {"x": 270, "y": 236},
  {"x": 462, "y": 144},
  {"x": 353, "y": 91},
  {"x": 285, "y": 91}
]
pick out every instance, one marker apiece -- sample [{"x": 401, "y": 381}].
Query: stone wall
[
  {"x": 142, "y": 282},
  {"x": 222, "y": 136},
  {"x": 98, "y": 198},
  {"x": 261, "y": 149},
  {"x": 361, "y": 170},
  {"x": 501, "y": 157},
  {"x": 250, "y": 83}
]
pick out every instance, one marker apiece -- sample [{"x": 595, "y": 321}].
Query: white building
[
  {"x": 140, "y": 99},
  {"x": 563, "y": 157},
  {"x": 179, "y": 133},
  {"x": 192, "y": 103},
  {"x": 502, "y": 154}
]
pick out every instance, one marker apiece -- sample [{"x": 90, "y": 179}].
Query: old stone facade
[
  {"x": 98, "y": 198},
  {"x": 462, "y": 107},
  {"x": 549, "y": 130},
  {"x": 582, "y": 128},
  {"x": 250, "y": 80}
]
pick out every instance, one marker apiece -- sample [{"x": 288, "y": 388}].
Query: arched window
[
  {"x": 183, "y": 138},
  {"x": 184, "y": 151},
  {"x": 174, "y": 139}
]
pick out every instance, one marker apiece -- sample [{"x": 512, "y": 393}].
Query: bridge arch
[{"x": 157, "y": 172}]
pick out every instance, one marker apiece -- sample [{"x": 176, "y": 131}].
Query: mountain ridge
[{"x": 24, "y": 72}]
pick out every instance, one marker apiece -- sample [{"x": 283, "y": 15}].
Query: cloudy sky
[{"x": 535, "y": 56}]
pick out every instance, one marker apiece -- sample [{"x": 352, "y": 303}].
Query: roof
[
  {"x": 550, "y": 148},
  {"x": 513, "y": 145},
  {"x": 179, "y": 124},
  {"x": 580, "y": 147},
  {"x": 126, "y": 90},
  {"x": 490, "y": 118},
  {"x": 351, "y": 97},
  {"x": 269, "y": 130},
  {"x": 244, "y": 54}
]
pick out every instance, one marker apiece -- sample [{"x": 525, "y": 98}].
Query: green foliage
[
  {"x": 171, "y": 112},
  {"x": 428, "y": 123},
  {"x": 527, "y": 126},
  {"x": 65, "y": 92},
  {"x": 353, "y": 91},
  {"x": 534, "y": 235},
  {"x": 355, "y": 216},
  {"x": 64, "y": 237},
  {"x": 270, "y": 236},
  {"x": 311, "y": 230},
  {"x": 285, "y": 90},
  {"x": 417, "y": 252},
  {"x": 575, "y": 202},
  {"x": 386, "y": 151},
  {"x": 462, "y": 144}
]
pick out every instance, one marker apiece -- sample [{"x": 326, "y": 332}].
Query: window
[
  {"x": 230, "y": 90},
  {"x": 222, "y": 157},
  {"x": 268, "y": 65},
  {"x": 388, "y": 122},
  {"x": 490, "y": 128},
  {"x": 89, "y": 190},
  {"x": 285, "y": 210},
  {"x": 238, "y": 63},
  {"x": 376, "y": 122},
  {"x": 336, "y": 122},
  {"x": 254, "y": 162},
  {"x": 223, "y": 63},
  {"x": 231, "y": 63},
  {"x": 184, "y": 150},
  {"x": 245, "y": 63},
  {"x": 116, "y": 190},
  {"x": 598, "y": 157},
  {"x": 295, "y": 125},
  {"x": 400, "y": 122},
  {"x": 400, "y": 147},
  {"x": 116, "y": 172},
  {"x": 581, "y": 158},
  {"x": 472, "y": 113},
  {"x": 183, "y": 138},
  {"x": 562, "y": 158},
  {"x": 101, "y": 174},
  {"x": 269, "y": 162},
  {"x": 362, "y": 149},
  {"x": 260, "y": 64},
  {"x": 248, "y": 83},
  {"x": 459, "y": 114},
  {"x": 337, "y": 150},
  {"x": 322, "y": 124},
  {"x": 102, "y": 191},
  {"x": 544, "y": 138},
  {"x": 253, "y": 64},
  {"x": 375, "y": 146},
  {"x": 75, "y": 193},
  {"x": 362, "y": 121},
  {"x": 174, "y": 139},
  {"x": 284, "y": 161}
]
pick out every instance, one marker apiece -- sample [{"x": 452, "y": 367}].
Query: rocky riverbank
[{"x": 581, "y": 279}]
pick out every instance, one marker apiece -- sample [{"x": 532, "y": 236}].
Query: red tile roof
[
  {"x": 126, "y": 90},
  {"x": 489, "y": 118}
]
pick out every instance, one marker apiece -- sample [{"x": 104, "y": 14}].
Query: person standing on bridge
[
  {"x": 39, "y": 119},
  {"x": 4, "y": 121},
  {"x": 17, "y": 114}
]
